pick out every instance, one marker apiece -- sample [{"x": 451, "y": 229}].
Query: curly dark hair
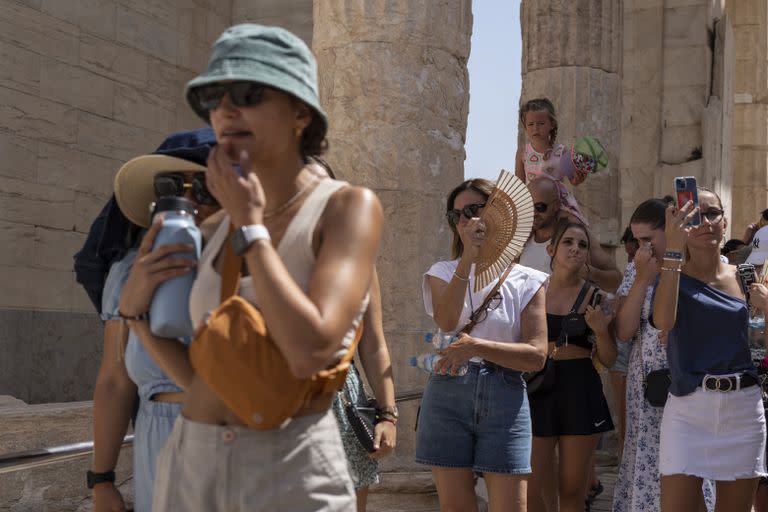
[{"x": 313, "y": 141}]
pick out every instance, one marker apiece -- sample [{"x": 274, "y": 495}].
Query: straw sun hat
[{"x": 134, "y": 182}]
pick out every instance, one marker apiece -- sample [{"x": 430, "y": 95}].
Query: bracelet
[
  {"x": 393, "y": 421},
  {"x": 676, "y": 260},
  {"x": 125, "y": 318},
  {"x": 669, "y": 269},
  {"x": 457, "y": 276},
  {"x": 673, "y": 255}
]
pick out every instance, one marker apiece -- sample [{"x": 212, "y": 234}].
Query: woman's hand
[
  {"x": 106, "y": 498},
  {"x": 597, "y": 320},
  {"x": 241, "y": 196},
  {"x": 758, "y": 296},
  {"x": 456, "y": 355},
  {"x": 677, "y": 228},
  {"x": 646, "y": 265},
  {"x": 384, "y": 439},
  {"x": 150, "y": 269},
  {"x": 472, "y": 235}
]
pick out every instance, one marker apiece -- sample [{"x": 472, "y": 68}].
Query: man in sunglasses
[{"x": 601, "y": 270}]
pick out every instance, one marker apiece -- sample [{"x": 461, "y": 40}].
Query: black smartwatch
[{"x": 99, "y": 478}]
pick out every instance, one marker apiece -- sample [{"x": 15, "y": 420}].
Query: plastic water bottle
[
  {"x": 428, "y": 361},
  {"x": 169, "y": 311},
  {"x": 439, "y": 339}
]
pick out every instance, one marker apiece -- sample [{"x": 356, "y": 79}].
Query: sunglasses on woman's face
[
  {"x": 468, "y": 211},
  {"x": 541, "y": 207},
  {"x": 242, "y": 94},
  {"x": 169, "y": 184}
]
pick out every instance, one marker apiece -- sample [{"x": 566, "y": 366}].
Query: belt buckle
[{"x": 722, "y": 384}]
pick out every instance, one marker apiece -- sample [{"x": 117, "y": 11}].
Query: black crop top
[{"x": 555, "y": 327}]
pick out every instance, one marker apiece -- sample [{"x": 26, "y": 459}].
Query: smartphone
[
  {"x": 685, "y": 189},
  {"x": 596, "y": 300},
  {"x": 747, "y": 276}
]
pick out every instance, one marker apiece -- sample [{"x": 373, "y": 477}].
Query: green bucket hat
[{"x": 267, "y": 55}]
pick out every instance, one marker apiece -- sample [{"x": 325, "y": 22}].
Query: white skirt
[{"x": 714, "y": 435}]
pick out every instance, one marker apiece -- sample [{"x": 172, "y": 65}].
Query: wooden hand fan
[{"x": 508, "y": 218}]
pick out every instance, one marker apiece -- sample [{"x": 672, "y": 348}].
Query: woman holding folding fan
[{"x": 480, "y": 421}]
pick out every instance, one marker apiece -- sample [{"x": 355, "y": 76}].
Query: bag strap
[
  {"x": 230, "y": 268},
  {"x": 580, "y": 298},
  {"x": 488, "y": 298},
  {"x": 230, "y": 282}
]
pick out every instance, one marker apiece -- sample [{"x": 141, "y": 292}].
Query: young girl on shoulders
[{"x": 541, "y": 155}]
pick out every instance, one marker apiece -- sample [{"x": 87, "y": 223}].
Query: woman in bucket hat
[
  {"x": 126, "y": 368},
  {"x": 260, "y": 95}
]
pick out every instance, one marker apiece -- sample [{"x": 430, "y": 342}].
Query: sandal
[{"x": 594, "y": 491}]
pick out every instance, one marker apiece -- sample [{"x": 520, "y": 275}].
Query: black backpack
[{"x": 102, "y": 248}]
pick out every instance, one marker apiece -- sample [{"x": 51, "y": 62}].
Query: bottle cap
[
  {"x": 174, "y": 204},
  {"x": 413, "y": 361},
  {"x": 428, "y": 337}
]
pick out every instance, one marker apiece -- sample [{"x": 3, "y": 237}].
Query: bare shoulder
[{"x": 353, "y": 201}]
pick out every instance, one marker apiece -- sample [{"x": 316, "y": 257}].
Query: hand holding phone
[{"x": 685, "y": 190}]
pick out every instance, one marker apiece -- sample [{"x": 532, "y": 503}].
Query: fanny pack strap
[
  {"x": 230, "y": 268},
  {"x": 574, "y": 309},
  {"x": 230, "y": 282},
  {"x": 488, "y": 298}
]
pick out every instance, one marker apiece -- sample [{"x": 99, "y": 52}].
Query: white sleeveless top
[{"x": 294, "y": 249}]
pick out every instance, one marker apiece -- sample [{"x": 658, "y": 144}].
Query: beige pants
[{"x": 298, "y": 468}]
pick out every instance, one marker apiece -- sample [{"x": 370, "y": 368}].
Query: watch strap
[{"x": 93, "y": 478}]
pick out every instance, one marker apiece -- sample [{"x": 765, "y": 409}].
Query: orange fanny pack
[{"x": 234, "y": 354}]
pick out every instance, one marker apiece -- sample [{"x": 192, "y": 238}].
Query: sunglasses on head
[
  {"x": 242, "y": 94},
  {"x": 169, "y": 184},
  {"x": 468, "y": 211},
  {"x": 541, "y": 207}
]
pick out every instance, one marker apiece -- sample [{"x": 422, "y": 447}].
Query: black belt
[{"x": 727, "y": 383}]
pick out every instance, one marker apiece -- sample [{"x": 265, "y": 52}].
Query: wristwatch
[
  {"x": 243, "y": 237},
  {"x": 99, "y": 478}
]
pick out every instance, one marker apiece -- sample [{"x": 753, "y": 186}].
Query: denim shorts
[{"x": 480, "y": 420}]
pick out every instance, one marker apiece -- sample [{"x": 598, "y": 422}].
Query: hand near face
[
  {"x": 241, "y": 196},
  {"x": 645, "y": 264},
  {"x": 472, "y": 235},
  {"x": 597, "y": 319},
  {"x": 677, "y": 228}
]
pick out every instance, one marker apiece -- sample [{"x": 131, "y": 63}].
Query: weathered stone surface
[
  {"x": 33, "y": 117},
  {"x": 55, "y": 355},
  {"x": 19, "y": 69},
  {"x": 393, "y": 80},
  {"x": 294, "y": 15},
  {"x": 59, "y": 486},
  {"x": 147, "y": 34},
  {"x": 19, "y": 157},
  {"x": 116, "y": 61},
  {"x": 581, "y": 75},
  {"x": 73, "y": 85},
  {"x": 38, "y": 32},
  {"x": 66, "y": 167},
  {"x": 97, "y": 16}
]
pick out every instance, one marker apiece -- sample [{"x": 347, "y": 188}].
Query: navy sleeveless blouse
[{"x": 711, "y": 336}]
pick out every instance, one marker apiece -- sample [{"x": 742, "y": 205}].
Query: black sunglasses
[
  {"x": 173, "y": 184},
  {"x": 242, "y": 94},
  {"x": 480, "y": 316},
  {"x": 541, "y": 207},
  {"x": 468, "y": 211}
]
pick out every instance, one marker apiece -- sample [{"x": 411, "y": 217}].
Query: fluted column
[
  {"x": 393, "y": 79},
  {"x": 572, "y": 54}
]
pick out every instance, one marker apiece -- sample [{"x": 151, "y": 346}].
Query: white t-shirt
[
  {"x": 503, "y": 323},
  {"x": 535, "y": 255}
]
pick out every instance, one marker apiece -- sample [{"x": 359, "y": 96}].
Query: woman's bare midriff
[
  {"x": 203, "y": 406},
  {"x": 567, "y": 352}
]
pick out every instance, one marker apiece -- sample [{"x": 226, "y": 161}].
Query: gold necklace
[{"x": 295, "y": 197}]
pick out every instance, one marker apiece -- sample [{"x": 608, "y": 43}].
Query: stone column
[
  {"x": 393, "y": 79},
  {"x": 572, "y": 54},
  {"x": 294, "y": 15},
  {"x": 750, "y": 124}
]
